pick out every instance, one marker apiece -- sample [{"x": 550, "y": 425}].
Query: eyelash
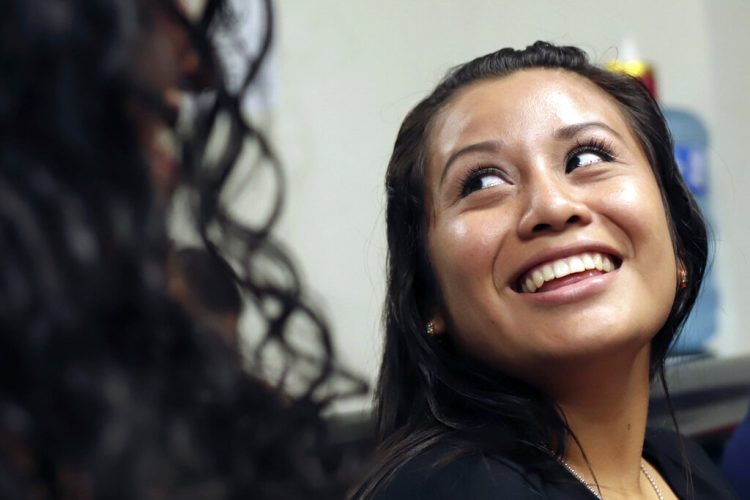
[
  {"x": 475, "y": 173},
  {"x": 596, "y": 145}
]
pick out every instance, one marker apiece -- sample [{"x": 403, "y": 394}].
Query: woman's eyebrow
[
  {"x": 570, "y": 131},
  {"x": 479, "y": 147}
]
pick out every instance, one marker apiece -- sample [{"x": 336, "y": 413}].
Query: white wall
[
  {"x": 348, "y": 70},
  {"x": 729, "y": 73}
]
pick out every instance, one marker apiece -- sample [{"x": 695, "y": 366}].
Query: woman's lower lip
[{"x": 573, "y": 290}]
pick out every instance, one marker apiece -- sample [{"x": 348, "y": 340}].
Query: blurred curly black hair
[{"x": 107, "y": 389}]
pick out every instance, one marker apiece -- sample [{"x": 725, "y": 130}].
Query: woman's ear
[
  {"x": 436, "y": 326},
  {"x": 682, "y": 275}
]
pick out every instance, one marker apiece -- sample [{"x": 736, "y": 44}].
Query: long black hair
[
  {"x": 427, "y": 391},
  {"x": 107, "y": 388}
]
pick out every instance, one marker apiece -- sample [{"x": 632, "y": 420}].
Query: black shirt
[{"x": 495, "y": 478}]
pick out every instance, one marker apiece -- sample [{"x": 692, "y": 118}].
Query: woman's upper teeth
[{"x": 534, "y": 279}]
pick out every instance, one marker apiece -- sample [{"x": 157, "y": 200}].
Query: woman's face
[
  {"x": 166, "y": 58},
  {"x": 546, "y": 227}
]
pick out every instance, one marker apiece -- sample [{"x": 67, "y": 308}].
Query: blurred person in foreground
[{"x": 108, "y": 386}]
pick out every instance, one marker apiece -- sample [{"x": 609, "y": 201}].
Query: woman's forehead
[{"x": 521, "y": 106}]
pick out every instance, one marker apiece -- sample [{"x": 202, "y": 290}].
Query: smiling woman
[{"x": 544, "y": 253}]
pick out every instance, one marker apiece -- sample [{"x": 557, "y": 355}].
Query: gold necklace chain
[{"x": 597, "y": 494}]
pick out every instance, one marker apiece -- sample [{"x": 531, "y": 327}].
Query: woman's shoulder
[{"x": 439, "y": 474}]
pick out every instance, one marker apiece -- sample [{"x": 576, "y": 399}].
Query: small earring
[
  {"x": 683, "y": 279},
  {"x": 431, "y": 329}
]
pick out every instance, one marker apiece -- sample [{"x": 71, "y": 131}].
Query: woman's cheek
[
  {"x": 638, "y": 206},
  {"x": 468, "y": 240}
]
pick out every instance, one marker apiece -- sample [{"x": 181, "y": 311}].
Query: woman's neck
[{"x": 605, "y": 404}]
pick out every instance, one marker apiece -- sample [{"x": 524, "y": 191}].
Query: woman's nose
[{"x": 552, "y": 205}]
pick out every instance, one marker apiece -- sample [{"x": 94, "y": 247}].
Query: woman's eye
[
  {"x": 585, "y": 157},
  {"x": 482, "y": 179}
]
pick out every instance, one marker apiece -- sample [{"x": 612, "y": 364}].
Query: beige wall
[{"x": 348, "y": 70}]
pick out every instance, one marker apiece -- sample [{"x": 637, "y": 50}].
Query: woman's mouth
[{"x": 560, "y": 272}]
